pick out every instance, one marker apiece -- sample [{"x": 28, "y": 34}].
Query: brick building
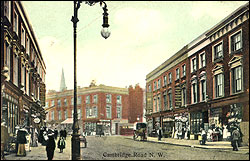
[
  {"x": 97, "y": 105},
  {"x": 22, "y": 69},
  {"x": 197, "y": 87}
]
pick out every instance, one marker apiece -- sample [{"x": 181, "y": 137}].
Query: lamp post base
[{"x": 75, "y": 147}]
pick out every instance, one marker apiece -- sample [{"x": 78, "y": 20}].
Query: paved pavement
[
  {"x": 125, "y": 148},
  {"x": 39, "y": 153},
  {"x": 222, "y": 145}
]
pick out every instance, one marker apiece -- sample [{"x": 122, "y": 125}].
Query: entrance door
[
  {"x": 204, "y": 118},
  {"x": 116, "y": 128}
]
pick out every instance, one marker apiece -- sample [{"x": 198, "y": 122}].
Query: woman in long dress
[{"x": 21, "y": 139}]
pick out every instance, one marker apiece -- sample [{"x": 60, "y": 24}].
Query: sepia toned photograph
[{"x": 124, "y": 80}]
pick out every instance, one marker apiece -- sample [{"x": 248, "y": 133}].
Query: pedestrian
[
  {"x": 61, "y": 144},
  {"x": 56, "y": 133},
  {"x": 235, "y": 139},
  {"x": 4, "y": 138},
  {"x": 64, "y": 133},
  {"x": 40, "y": 137},
  {"x": 45, "y": 138},
  {"x": 50, "y": 146},
  {"x": 21, "y": 140},
  {"x": 159, "y": 132}
]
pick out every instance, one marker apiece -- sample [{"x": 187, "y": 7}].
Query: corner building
[
  {"x": 197, "y": 87},
  {"x": 23, "y": 70},
  {"x": 98, "y": 106}
]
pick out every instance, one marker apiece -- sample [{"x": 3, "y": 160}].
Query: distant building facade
[
  {"x": 23, "y": 69},
  {"x": 100, "y": 105},
  {"x": 199, "y": 85}
]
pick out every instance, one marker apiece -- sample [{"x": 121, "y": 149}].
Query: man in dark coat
[
  {"x": 235, "y": 139},
  {"x": 50, "y": 147},
  {"x": 56, "y": 133}
]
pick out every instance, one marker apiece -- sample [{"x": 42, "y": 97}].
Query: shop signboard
[
  {"x": 149, "y": 100},
  {"x": 42, "y": 94},
  {"x": 177, "y": 96},
  {"x": 168, "y": 119},
  {"x": 37, "y": 120}
]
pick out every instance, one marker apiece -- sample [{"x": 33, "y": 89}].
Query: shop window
[{"x": 196, "y": 121}]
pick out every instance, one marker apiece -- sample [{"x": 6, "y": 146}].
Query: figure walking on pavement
[
  {"x": 159, "y": 132},
  {"x": 61, "y": 144},
  {"x": 50, "y": 146},
  {"x": 235, "y": 139},
  {"x": 56, "y": 134}
]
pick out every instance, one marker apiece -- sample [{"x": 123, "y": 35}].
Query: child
[{"x": 61, "y": 144}]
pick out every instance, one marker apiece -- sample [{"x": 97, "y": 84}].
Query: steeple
[{"x": 62, "y": 85}]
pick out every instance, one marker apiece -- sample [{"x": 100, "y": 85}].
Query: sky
[{"x": 144, "y": 34}]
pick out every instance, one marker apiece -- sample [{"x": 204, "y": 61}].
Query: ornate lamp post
[{"x": 75, "y": 141}]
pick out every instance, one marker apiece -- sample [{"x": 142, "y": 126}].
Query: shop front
[
  {"x": 10, "y": 111},
  {"x": 168, "y": 125},
  {"x": 181, "y": 129},
  {"x": 149, "y": 126}
]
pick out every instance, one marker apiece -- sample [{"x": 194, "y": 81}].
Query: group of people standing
[{"x": 48, "y": 138}]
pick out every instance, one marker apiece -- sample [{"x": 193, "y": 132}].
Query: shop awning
[{"x": 68, "y": 121}]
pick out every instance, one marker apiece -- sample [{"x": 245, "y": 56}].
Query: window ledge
[
  {"x": 236, "y": 93},
  {"x": 236, "y": 52},
  {"x": 216, "y": 60}
]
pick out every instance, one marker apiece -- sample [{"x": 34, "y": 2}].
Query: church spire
[{"x": 63, "y": 84}]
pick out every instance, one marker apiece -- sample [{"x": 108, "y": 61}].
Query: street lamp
[{"x": 75, "y": 140}]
